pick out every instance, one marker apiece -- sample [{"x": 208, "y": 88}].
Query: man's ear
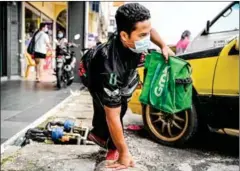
[{"x": 124, "y": 36}]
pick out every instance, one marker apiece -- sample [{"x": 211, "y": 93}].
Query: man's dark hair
[
  {"x": 42, "y": 25},
  {"x": 128, "y": 15}
]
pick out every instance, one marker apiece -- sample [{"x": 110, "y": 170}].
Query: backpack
[
  {"x": 31, "y": 45},
  {"x": 167, "y": 86},
  {"x": 84, "y": 66}
]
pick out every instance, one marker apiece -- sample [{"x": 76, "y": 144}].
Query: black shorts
[{"x": 39, "y": 55}]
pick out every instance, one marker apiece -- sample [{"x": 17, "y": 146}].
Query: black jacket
[{"x": 111, "y": 72}]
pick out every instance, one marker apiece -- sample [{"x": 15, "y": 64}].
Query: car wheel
[{"x": 172, "y": 130}]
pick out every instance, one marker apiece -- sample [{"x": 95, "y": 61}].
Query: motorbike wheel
[
  {"x": 60, "y": 81},
  {"x": 69, "y": 82}
]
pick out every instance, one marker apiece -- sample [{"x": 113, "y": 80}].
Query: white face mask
[
  {"x": 45, "y": 29},
  {"x": 60, "y": 35},
  {"x": 142, "y": 45}
]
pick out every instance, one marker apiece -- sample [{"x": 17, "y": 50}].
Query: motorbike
[{"x": 65, "y": 63}]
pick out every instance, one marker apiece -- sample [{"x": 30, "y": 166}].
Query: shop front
[{"x": 34, "y": 13}]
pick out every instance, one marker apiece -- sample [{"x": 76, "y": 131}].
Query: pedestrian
[
  {"x": 42, "y": 44},
  {"x": 62, "y": 40},
  {"x": 183, "y": 42},
  {"x": 113, "y": 78}
]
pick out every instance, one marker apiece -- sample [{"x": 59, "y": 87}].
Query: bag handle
[{"x": 183, "y": 81}]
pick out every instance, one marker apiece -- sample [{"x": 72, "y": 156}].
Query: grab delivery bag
[{"x": 167, "y": 86}]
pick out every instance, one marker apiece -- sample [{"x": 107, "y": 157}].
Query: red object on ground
[
  {"x": 112, "y": 155},
  {"x": 134, "y": 127}
]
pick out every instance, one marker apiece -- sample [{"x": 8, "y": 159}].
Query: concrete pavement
[{"x": 211, "y": 153}]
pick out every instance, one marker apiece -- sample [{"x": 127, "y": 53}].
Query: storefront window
[
  {"x": 61, "y": 21},
  {"x": 32, "y": 21}
]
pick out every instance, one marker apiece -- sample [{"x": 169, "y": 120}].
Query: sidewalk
[
  {"x": 46, "y": 157},
  {"x": 23, "y": 101}
]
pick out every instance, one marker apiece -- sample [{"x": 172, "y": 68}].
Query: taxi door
[{"x": 226, "y": 79}]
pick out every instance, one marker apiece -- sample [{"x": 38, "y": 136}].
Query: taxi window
[{"x": 229, "y": 21}]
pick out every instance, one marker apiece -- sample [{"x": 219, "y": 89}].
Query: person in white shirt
[{"x": 42, "y": 44}]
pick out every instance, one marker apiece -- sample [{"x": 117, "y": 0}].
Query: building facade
[{"x": 19, "y": 20}]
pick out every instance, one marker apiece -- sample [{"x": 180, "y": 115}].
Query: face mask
[
  {"x": 60, "y": 35},
  {"x": 142, "y": 45},
  {"x": 45, "y": 29}
]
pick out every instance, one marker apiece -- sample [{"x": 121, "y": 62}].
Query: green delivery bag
[{"x": 167, "y": 86}]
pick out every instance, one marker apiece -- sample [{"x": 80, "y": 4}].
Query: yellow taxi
[{"x": 214, "y": 58}]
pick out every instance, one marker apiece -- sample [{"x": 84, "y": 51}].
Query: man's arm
[
  {"x": 115, "y": 129},
  {"x": 156, "y": 39},
  {"x": 111, "y": 100}
]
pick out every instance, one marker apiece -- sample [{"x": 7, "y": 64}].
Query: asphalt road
[{"x": 210, "y": 152}]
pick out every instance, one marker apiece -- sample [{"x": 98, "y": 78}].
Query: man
[
  {"x": 112, "y": 78},
  {"x": 42, "y": 42}
]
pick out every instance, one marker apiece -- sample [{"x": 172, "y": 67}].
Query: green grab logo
[{"x": 164, "y": 77}]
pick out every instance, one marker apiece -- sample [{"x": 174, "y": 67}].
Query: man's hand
[
  {"x": 124, "y": 161},
  {"x": 156, "y": 39},
  {"x": 165, "y": 53}
]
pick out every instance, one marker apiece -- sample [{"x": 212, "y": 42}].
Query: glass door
[{"x": 32, "y": 22}]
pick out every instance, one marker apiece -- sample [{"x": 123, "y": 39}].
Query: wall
[
  {"x": 58, "y": 9},
  {"x": 47, "y": 8},
  {"x": 76, "y": 15},
  {"x": 13, "y": 23},
  {"x": 51, "y": 9},
  {"x": 3, "y": 43}
]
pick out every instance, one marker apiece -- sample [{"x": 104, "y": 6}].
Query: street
[{"x": 212, "y": 152}]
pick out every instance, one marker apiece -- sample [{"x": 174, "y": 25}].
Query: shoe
[
  {"x": 102, "y": 143},
  {"x": 112, "y": 155}
]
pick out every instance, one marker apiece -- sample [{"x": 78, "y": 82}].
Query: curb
[{"x": 41, "y": 119}]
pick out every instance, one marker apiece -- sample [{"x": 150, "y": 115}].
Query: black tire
[
  {"x": 60, "y": 82},
  {"x": 70, "y": 82},
  {"x": 184, "y": 136}
]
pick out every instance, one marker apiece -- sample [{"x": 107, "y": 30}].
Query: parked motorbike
[{"x": 65, "y": 63}]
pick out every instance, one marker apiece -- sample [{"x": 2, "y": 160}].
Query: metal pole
[{"x": 85, "y": 36}]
